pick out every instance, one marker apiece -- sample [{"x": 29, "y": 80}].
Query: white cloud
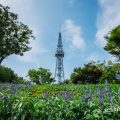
[
  {"x": 24, "y": 9},
  {"x": 18, "y": 4},
  {"x": 32, "y": 55},
  {"x": 108, "y": 18},
  {"x": 92, "y": 57},
  {"x": 112, "y": 58},
  {"x": 73, "y": 33}
]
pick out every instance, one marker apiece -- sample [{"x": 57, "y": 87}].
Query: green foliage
[
  {"x": 14, "y": 35},
  {"x": 113, "y": 42},
  {"x": 90, "y": 73},
  {"x": 21, "y": 80},
  {"x": 7, "y": 75},
  {"x": 51, "y": 106},
  {"x": 96, "y": 73},
  {"x": 67, "y": 81},
  {"x": 77, "y": 76},
  {"x": 109, "y": 72},
  {"x": 40, "y": 76}
]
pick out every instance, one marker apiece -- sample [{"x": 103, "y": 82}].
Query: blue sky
[{"x": 84, "y": 25}]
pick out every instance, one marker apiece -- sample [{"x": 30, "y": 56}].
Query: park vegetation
[
  {"x": 59, "y": 102},
  {"x": 91, "y": 93}
]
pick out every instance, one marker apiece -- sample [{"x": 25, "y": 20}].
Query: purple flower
[
  {"x": 68, "y": 95},
  {"x": 108, "y": 92},
  {"x": 100, "y": 95},
  {"x": 87, "y": 97},
  {"x": 5, "y": 98},
  {"x": 46, "y": 95},
  {"x": 86, "y": 91}
]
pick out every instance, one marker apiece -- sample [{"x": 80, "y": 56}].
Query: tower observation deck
[{"x": 59, "y": 69}]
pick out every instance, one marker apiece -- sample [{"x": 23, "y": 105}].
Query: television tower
[{"x": 59, "y": 69}]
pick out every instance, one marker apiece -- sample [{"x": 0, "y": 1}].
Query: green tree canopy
[
  {"x": 90, "y": 73},
  {"x": 96, "y": 73},
  {"x": 113, "y": 42},
  {"x": 77, "y": 76},
  {"x": 40, "y": 76},
  {"x": 14, "y": 35},
  {"x": 110, "y": 71},
  {"x": 8, "y": 75}
]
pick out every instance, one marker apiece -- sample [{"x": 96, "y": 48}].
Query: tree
[
  {"x": 90, "y": 73},
  {"x": 14, "y": 35},
  {"x": 7, "y": 75},
  {"x": 113, "y": 42},
  {"x": 40, "y": 76},
  {"x": 77, "y": 76},
  {"x": 110, "y": 71},
  {"x": 67, "y": 81}
]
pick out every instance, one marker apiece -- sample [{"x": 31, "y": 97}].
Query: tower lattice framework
[{"x": 59, "y": 69}]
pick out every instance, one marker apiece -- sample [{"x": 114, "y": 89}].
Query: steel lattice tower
[{"x": 59, "y": 69}]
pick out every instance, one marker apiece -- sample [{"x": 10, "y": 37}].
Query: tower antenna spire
[{"x": 60, "y": 28}]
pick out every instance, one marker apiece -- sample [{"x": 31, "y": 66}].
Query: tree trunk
[{"x": 1, "y": 59}]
